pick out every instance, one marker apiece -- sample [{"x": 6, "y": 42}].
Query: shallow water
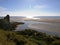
[{"x": 49, "y": 28}]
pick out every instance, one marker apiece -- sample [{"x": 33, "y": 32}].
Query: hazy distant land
[{"x": 51, "y": 19}]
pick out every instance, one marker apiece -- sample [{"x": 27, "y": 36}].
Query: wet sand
[{"x": 47, "y": 25}]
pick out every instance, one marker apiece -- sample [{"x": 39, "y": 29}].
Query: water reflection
[{"x": 49, "y": 28}]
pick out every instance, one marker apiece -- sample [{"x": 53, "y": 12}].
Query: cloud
[
  {"x": 3, "y": 11},
  {"x": 40, "y": 6},
  {"x": 33, "y": 13}
]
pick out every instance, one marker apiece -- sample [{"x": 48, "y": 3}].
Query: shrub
[{"x": 57, "y": 42}]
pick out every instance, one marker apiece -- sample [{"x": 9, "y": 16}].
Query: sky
[{"x": 30, "y": 7}]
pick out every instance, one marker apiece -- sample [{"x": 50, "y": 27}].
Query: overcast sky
[{"x": 30, "y": 7}]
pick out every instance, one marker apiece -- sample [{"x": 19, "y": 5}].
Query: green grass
[
  {"x": 27, "y": 37},
  {"x": 5, "y": 41}
]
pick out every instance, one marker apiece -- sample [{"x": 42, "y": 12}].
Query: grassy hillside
[
  {"x": 27, "y": 37},
  {"x": 12, "y": 38}
]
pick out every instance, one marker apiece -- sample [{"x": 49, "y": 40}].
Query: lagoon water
[
  {"x": 46, "y": 27},
  {"x": 49, "y": 28}
]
